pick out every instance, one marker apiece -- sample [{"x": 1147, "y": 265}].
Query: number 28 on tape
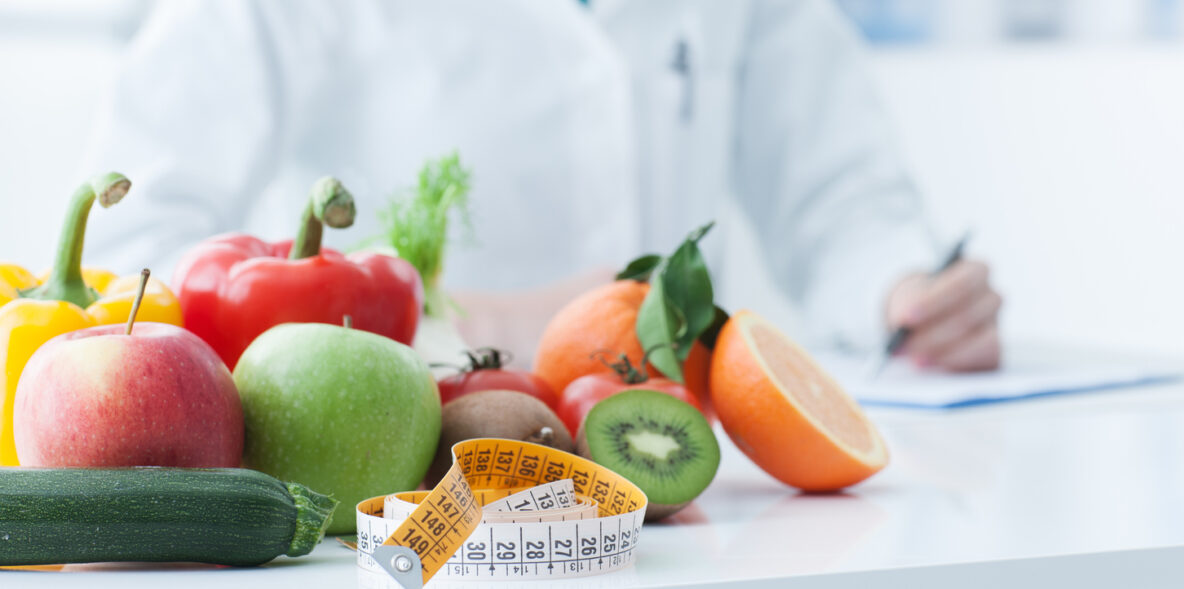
[{"x": 505, "y": 510}]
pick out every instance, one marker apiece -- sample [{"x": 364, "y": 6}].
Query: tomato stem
[
  {"x": 487, "y": 358},
  {"x": 624, "y": 367}
]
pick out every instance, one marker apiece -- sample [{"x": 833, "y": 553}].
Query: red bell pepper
[{"x": 233, "y": 287}]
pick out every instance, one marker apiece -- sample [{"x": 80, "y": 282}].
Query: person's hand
[{"x": 952, "y": 318}]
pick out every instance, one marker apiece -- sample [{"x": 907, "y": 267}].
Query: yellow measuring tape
[{"x": 505, "y": 510}]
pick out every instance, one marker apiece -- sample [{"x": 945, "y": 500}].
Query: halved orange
[{"x": 788, "y": 415}]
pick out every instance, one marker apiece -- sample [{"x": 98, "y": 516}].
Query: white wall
[
  {"x": 1065, "y": 160},
  {"x": 56, "y": 59},
  {"x": 46, "y": 108},
  {"x": 1068, "y": 162}
]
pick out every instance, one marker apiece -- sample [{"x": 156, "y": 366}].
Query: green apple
[{"x": 347, "y": 411}]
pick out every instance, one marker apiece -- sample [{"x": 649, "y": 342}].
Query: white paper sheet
[{"x": 902, "y": 385}]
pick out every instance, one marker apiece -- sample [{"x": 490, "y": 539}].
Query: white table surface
[{"x": 1084, "y": 491}]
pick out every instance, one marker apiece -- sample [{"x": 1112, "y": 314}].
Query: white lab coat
[{"x": 593, "y": 135}]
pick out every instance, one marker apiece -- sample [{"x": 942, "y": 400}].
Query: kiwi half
[{"x": 661, "y": 444}]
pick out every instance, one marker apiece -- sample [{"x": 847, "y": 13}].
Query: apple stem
[
  {"x": 131, "y": 317},
  {"x": 347, "y": 321},
  {"x": 329, "y": 203}
]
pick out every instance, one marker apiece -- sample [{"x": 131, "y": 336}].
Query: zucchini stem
[{"x": 313, "y": 513}]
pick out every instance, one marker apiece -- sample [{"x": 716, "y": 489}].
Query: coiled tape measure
[{"x": 505, "y": 510}]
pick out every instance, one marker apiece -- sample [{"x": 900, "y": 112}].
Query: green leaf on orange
[
  {"x": 687, "y": 286},
  {"x": 709, "y": 335},
  {"x": 641, "y": 268},
  {"x": 678, "y": 308},
  {"x": 659, "y": 323}
]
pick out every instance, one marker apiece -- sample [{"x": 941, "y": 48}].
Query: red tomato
[
  {"x": 496, "y": 379},
  {"x": 485, "y": 373},
  {"x": 586, "y": 391}
]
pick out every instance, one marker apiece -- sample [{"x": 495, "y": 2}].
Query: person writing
[{"x": 594, "y": 131}]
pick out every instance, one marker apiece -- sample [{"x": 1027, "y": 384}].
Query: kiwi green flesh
[{"x": 661, "y": 444}]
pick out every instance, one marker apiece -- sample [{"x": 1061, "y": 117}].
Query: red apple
[{"x": 158, "y": 397}]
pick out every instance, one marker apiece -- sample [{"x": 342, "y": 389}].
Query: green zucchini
[{"x": 230, "y": 516}]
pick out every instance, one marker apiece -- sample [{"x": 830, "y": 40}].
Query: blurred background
[{"x": 1054, "y": 129}]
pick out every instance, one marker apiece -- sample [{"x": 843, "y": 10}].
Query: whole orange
[
  {"x": 789, "y": 416},
  {"x": 600, "y": 324}
]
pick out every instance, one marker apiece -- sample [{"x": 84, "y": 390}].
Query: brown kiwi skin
[
  {"x": 653, "y": 511},
  {"x": 509, "y": 415}
]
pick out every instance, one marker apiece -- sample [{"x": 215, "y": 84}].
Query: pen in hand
[{"x": 898, "y": 338}]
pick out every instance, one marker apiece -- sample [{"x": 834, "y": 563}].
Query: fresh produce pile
[{"x": 289, "y": 361}]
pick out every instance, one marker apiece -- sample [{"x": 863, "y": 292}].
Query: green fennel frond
[{"x": 415, "y": 223}]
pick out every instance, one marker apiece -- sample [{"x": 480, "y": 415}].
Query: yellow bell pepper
[{"x": 33, "y": 310}]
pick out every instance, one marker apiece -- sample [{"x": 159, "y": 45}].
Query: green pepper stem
[
  {"x": 329, "y": 203},
  {"x": 65, "y": 280}
]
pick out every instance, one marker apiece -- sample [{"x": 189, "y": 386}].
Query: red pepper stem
[
  {"x": 329, "y": 203},
  {"x": 65, "y": 281}
]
